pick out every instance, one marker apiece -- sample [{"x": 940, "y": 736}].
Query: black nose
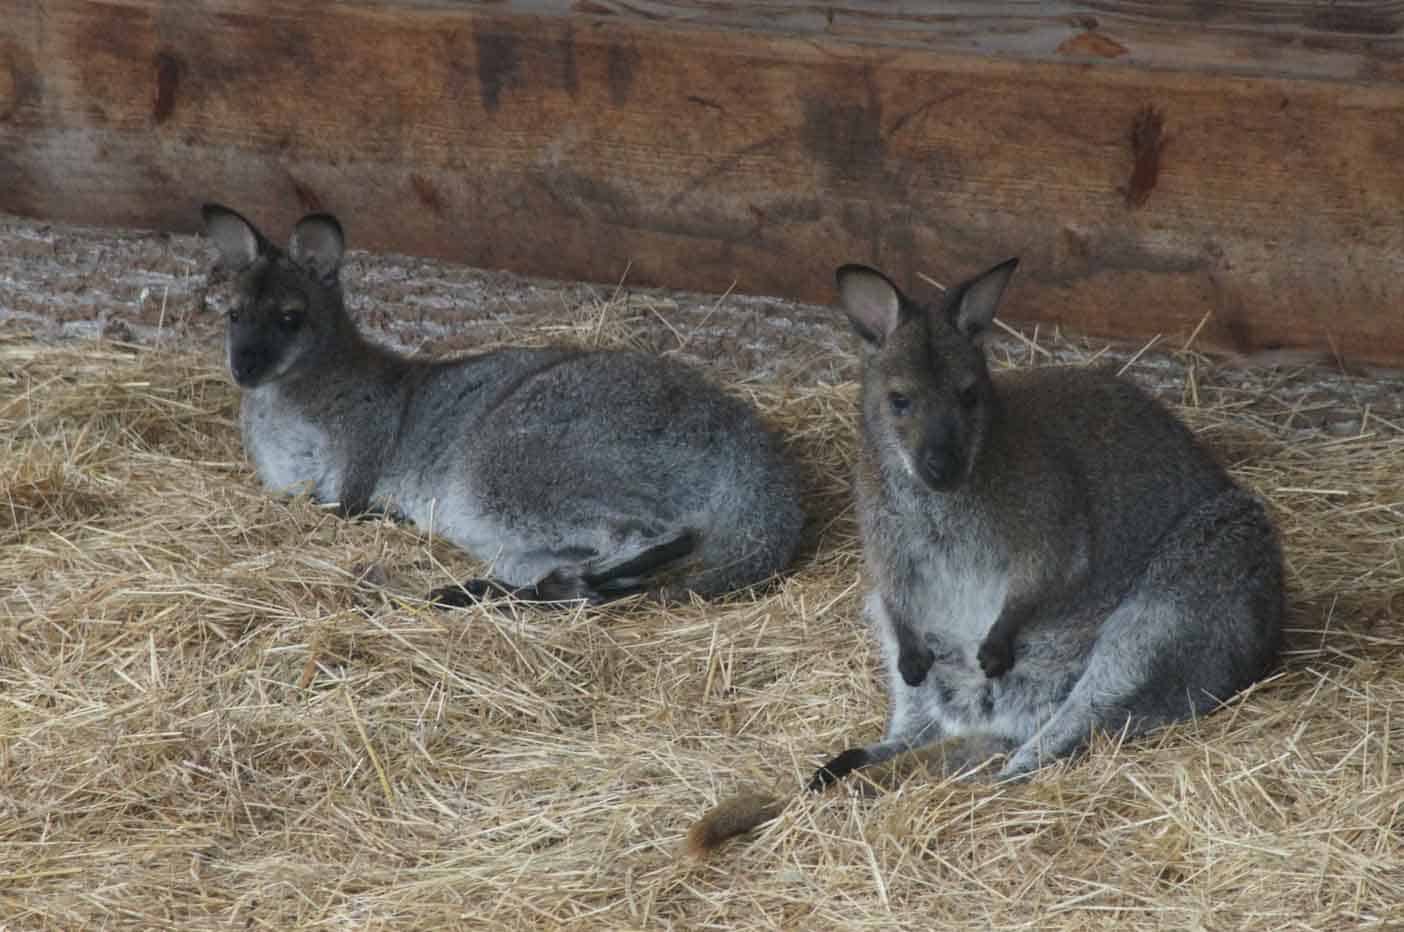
[
  {"x": 246, "y": 364},
  {"x": 940, "y": 467}
]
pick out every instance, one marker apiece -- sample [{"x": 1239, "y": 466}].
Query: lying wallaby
[
  {"x": 578, "y": 474},
  {"x": 1052, "y": 551}
]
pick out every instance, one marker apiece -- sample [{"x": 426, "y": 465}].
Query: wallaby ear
[
  {"x": 873, "y": 304},
  {"x": 972, "y": 307},
  {"x": 317, "y": 245},
  {"x": 238, "y": 241}
]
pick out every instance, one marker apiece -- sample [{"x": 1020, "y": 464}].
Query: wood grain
[
  {"x": 702, "y": 157},
  {"x": 1347, "y": 39}
]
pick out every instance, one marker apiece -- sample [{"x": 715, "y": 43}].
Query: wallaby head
[
  {"x": 927, "y": 395},
  {"x": 289, "y": 304}
]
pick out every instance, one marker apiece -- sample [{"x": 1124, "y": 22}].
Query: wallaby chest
[
  {"x": 290, "y": 451},
  {"x": 946, "y": 575}
]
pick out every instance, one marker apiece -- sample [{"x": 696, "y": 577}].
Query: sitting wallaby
[
  {"x": 1052, "y": 551},
  {"x": 577, "y": 474}
]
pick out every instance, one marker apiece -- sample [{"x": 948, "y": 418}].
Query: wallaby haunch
[
  {"x": 1052, "y": 551},
  {"x": 577, "y": 474}
]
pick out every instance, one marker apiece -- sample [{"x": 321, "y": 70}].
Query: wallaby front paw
[
  {"x": 996, "y": 656},
  {"x": 837, "y": 769},
  {"x": 467, "y": 593},
  {"x": 915, "y": 664}
]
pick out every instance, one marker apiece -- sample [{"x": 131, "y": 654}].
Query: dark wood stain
[
  {"x": 426, "y": 192},
  {"x": 306, "y": 197},
  {"x": 1147, "y": 146},
  {"x": 623, "y": 60},
  {"x": 19, "y": 79},
  {"x": 498, "y": 59},
  {"x": 846, "y": 139},
  {"x": 168, "y": 71},
  {"x": 565, "y": 51}
]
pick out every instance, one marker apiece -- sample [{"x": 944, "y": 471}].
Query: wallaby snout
[
  {"x": 248, "y": 365},
  {"x": 941, "y": 460}
]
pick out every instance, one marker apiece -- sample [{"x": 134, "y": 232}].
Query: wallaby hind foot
[
  {"x": 575, "y": 583},
  {"x": 888, "y": 764}
]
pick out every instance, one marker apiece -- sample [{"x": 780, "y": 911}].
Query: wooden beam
[
  {"x": 584, "y": 145},
  {"x": 1343, "y": 39}
]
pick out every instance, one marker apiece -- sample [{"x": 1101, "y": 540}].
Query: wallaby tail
[
  {"x": 965, "y": 757},
  {"x": 729, "y": 818},
  {"x": 635, "y": 574}
]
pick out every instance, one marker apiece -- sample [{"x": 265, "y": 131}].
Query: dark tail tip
[{"x": 648, "y": 562}]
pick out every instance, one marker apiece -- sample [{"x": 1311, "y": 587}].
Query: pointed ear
[
  {"x": 972, "y": 306},
  {"x": 873, "y": 304},
  {"x": 238, "y": 241},
  {"x": 317, "y": 245}
]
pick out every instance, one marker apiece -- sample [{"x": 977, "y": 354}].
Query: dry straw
[{"x": 218, "y": 710}]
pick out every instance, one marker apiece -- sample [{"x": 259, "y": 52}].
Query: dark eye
[
  {"x": 233, "y": 316},
  {"x": 969, "y": 395},
  {"x": 289, "y": 320},
  {"x": 901, "y": 404}
]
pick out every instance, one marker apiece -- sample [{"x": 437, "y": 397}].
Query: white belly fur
[
  {"x": 447, "y": 510},
  {"x": 958, "y": 601},
  {"x": 955, "y": 604},
  {"x": 290, "y": 454}
]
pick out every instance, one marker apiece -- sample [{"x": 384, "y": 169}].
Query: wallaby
[
  {"x": 1052, "y": 551},
  {"x": 577, "y": 474}
]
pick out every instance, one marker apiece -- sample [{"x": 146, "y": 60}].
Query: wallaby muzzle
[
  {"x": 249, "y": 365},
  {"x": 940, "y": 461}
]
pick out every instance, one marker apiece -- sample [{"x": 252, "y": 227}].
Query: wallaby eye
[
  {"x": 969, "y": 395},
  {"x": 290, "y": 320},
  {"x": 901, "y": 405}
]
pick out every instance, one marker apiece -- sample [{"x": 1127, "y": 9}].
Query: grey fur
[
  {"x": 576, "y": 474},
  {"x": 1053, "y": 552}
]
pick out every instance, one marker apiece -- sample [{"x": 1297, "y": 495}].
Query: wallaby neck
[{"x": 346, "y": 355}]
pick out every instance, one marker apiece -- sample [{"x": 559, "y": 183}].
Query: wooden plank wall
[{"x": 1152, "y": 163}]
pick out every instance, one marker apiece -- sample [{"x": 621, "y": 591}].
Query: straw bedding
[{"x": 222, "y": 710}]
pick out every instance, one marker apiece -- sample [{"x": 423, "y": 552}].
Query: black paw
[
  {"x": 996, "y": 656},
  {"x": 837, "y": 769},
  {"x": 914, "y": 664},
  {"x": 467, "y": 593}
]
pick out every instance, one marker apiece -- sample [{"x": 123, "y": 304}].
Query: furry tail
[
  {"x": 632, "y": 575},
  {"x": 967, "y": 757},
  {"x": 729, "y": 818}
]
